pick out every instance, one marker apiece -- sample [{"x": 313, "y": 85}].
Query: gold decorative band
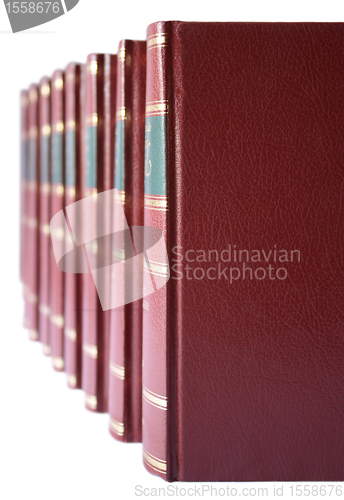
[
  {"x": 70, "y": 125},
  {"x": 24, "y": 101},
  {"x": 121, "y": 195},
  {"x": 154, "y": 399},
  {"x": 58, "y": 189},
  {"x": 31, "y": 297},
  {"x": 33, "y": 95},
  {"x": 45, "y": 310},
  {"x": 157, "y": 40},
  {"x": 90, "y": 350},
  {"x": 156, "y": 463},
  {"x": 70, "y": 77},
  {"x": 119, "y": 254},
  {"x": 91, "y": 401},
  {"x": 45, "y": 229},
  {"x": 57, "y": 320},
  {"x": 120, "y": 113},
  {"x": 92, "y": 119},
  {"x": 33, "y": 335},
  {"x": 117, "y": 370},
  {"x": 33, "y": 132},
  {"x": 58, "y": 83},
  {"x": 145, "y": 305},
  {"x": 156, "y": 202},
  {"x": 121, "y": 54},
  {"x": 71, "y": 334},
  {"x": 157, "y": 108},
  {"x": 157, "y": 268},
  {"x": 116, "y": 426},
  {"x": 92, "y": 192},
  {"x": 45, "y": 188},
  {"x": 30, "y": 222},
  {"x": 71, "y": 379},
  {"x": 45, "y": 89},
  {"x": 93, "y": 67},
  {"x": 58, "y": 233},
  {"x": 58, "y": 363},
  {"x": 46, "y": 130},
  {"x": 47, "y": 350},
  {"x": 59, "y": 127}
]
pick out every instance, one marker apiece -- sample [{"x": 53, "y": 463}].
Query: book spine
[
  {"x": 32, "y": 220},
  {"x": 155, "y": 403},
  {"x": 24, "y": 141},
  {"x": 73, "y": 280},
  {"x": 126, "y": 321},
  {"x": 44, "y": 214},
  {"x": 57, "y": 204},
  {"x": 94, "y": 330}
]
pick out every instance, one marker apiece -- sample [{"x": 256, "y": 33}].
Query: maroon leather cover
[
  {"x": 24, "y": 141},
  {"x": 100, "y": 99},
  {"x": 254, "y": 159},
  {"x": 45, "y": 248},
  {"x": 32, "y": 218},
  {"x": 57, "y": 204},
  {"x": 74, "y": 176},
  {"x": 126, "y": 321}
]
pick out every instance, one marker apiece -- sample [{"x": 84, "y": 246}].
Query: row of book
[{"x": 181, "y": 237}]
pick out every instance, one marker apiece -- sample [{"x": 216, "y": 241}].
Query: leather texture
[{"x": 256, "y": 130}]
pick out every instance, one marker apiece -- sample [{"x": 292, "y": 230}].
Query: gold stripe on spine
[
  {"x": 47, "y": 350},
  {"x": 154, "y": 462},
  {"x": 93, "y": 67},
  {"x": 58, "y": 233},
  {"x": 31, "y": 297},
  {"x": 58, "y": 83},
  {"x": 24, "y": 101},
  {"x": 121, "y": 195},
  {"x": 70, "y": 125},
  {"x": 70, "y": 77},
  {"x": 45, "y": 310},
  {"x": 120, "y": 113},
  {"x": 58, "y": 189},
  {"x": 90, "y": 350},
  {"x": 117, "y": 370},
  {"x": 92, "y": 119},
  {"x": 45, "y": 89},
  {"x": 154, "y": 399},
  {"x": 156, "y": 108},
  {"x": 116, "y": 426},
  {"x": 121, "y": 54},
  {"x": 71, "y": 380},
  {"x": 45, "y": 188},
  {"x": 71, "y": 192},
  {"x": 57, "y": 320},
  {"x": 59, "y": 127},
  {"x": 158, "y": 40},
  {"x": 159, "y": 269},
  {"x": 33, "y": 335},
  {"x": 33, "y": 132},
  {"x": 156, "y": 202},
  {"x": 31, "y": 222},
  {"x": 31, "y": 185},
  {"x": 46, "y": 130},
  {"x": 45, "y": 229},
  {"x": 91, "y": 401},
  {"x": 145, "y": 305},
  {"x": 58, "y": 363},
  {"x": 71, "y": 334},
  {"x": 33, "y": 95},
  {"x": 119, "y": 253}
]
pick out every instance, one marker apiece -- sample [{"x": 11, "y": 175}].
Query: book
[
  {"x": 24, "y": 141},
  {"x": 32, "y": 218},
  {"x": 74, "y": 176},
  {"x": 44, "y": 214},
  {"x": 99, "y": 102},
  {"x": 243, "y": 331},
  {"x": 57, "y": 204},
  {"x": 126, "y": 320}
]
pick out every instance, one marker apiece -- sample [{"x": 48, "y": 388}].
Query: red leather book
[
  {"x": 126, "y": 321},
  {"x": 57, "y": 204},
  {"x": 243, "y": 346},
  {"x": 100, "y": 96},
  {"x": 44, "y": 214},
  {"x": 32, "y": 218},
  {"x": 24, "y": 141},
  {"x": 74, "y": 176}
]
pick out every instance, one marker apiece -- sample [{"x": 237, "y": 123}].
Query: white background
[{"x": 50, "y": 446}]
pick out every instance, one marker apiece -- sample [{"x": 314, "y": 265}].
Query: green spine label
[
  {"x": 70, "y": 158},
  {"x": 45, "y": 158},
  {"x": 91, "y": 157},
  {"x": 155, "y": 155},
  {"x": 32, "y": 167},
  {"x": 57, "y": 158},
  {"x": 119, "y": 156}
]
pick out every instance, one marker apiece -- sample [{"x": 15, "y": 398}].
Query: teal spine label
[
  {"x": 45, "y": 158},
  {"x": 70, "y": 158},
  {"x": 119, "y": 156},
  {"x": 155, "y": 155},
  {"x": 91, "y": 157},
  {"x": 57, "y": 158},
  {"x": 32, "y": 166}
]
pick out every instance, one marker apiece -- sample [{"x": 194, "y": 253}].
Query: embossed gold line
[
  {"x": 92, "y": 119},
  {"x": 33, "y": 132},
  {"x": 33, "y": 335},
  {"x": 47, "y": 350},
  {"x": 45, "y": 310},
  {"x": 156, "y": 269},
  {"x": 156, "y": 41},
  {"x": 71, "y": 334},
  {"x": 90, "y": 350},
  {"x": 58, "y": 83},
  {"x": 57, "y": 320},
  {"x": 58, "y": 363},
  {"x": 154, "y": 462},
  {"x": 33, "y": 95},
  {"x": 117, "y": 370},
  {"x": 121, "y": 54},
  {"x": 45, "y": 188},
  {"x": 58, "y": 189},
  {"x": 120, "y": 113},
  {"x": 70, "y": 125},
  {"x": 118, "y": 427},
  {"x": 59, "y": 127},
  {"x": 154, "y": 108},
  {"x": 46, "y": 130},
  {"x": 155, "y": 203},
  {"x": 91, "y": 401},
  {"x": 45, "y": 89},
  {"x": 72, "y": 380},
  {"x": 93, "y": 67},
  {"x": 154, "y": 399}
]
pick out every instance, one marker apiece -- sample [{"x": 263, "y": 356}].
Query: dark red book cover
[
  {"x": 125, "y": 389},
  {"x": 100, "y": 102},
  {"x": 24, "y": 141},
  {"x": 44, "y": 213},
  {"x": 57, "y": 204},
  {"x": 32, "y": 218},
  {"x": 243, "y": 346},
  {"x": 74, "y": 176}
]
